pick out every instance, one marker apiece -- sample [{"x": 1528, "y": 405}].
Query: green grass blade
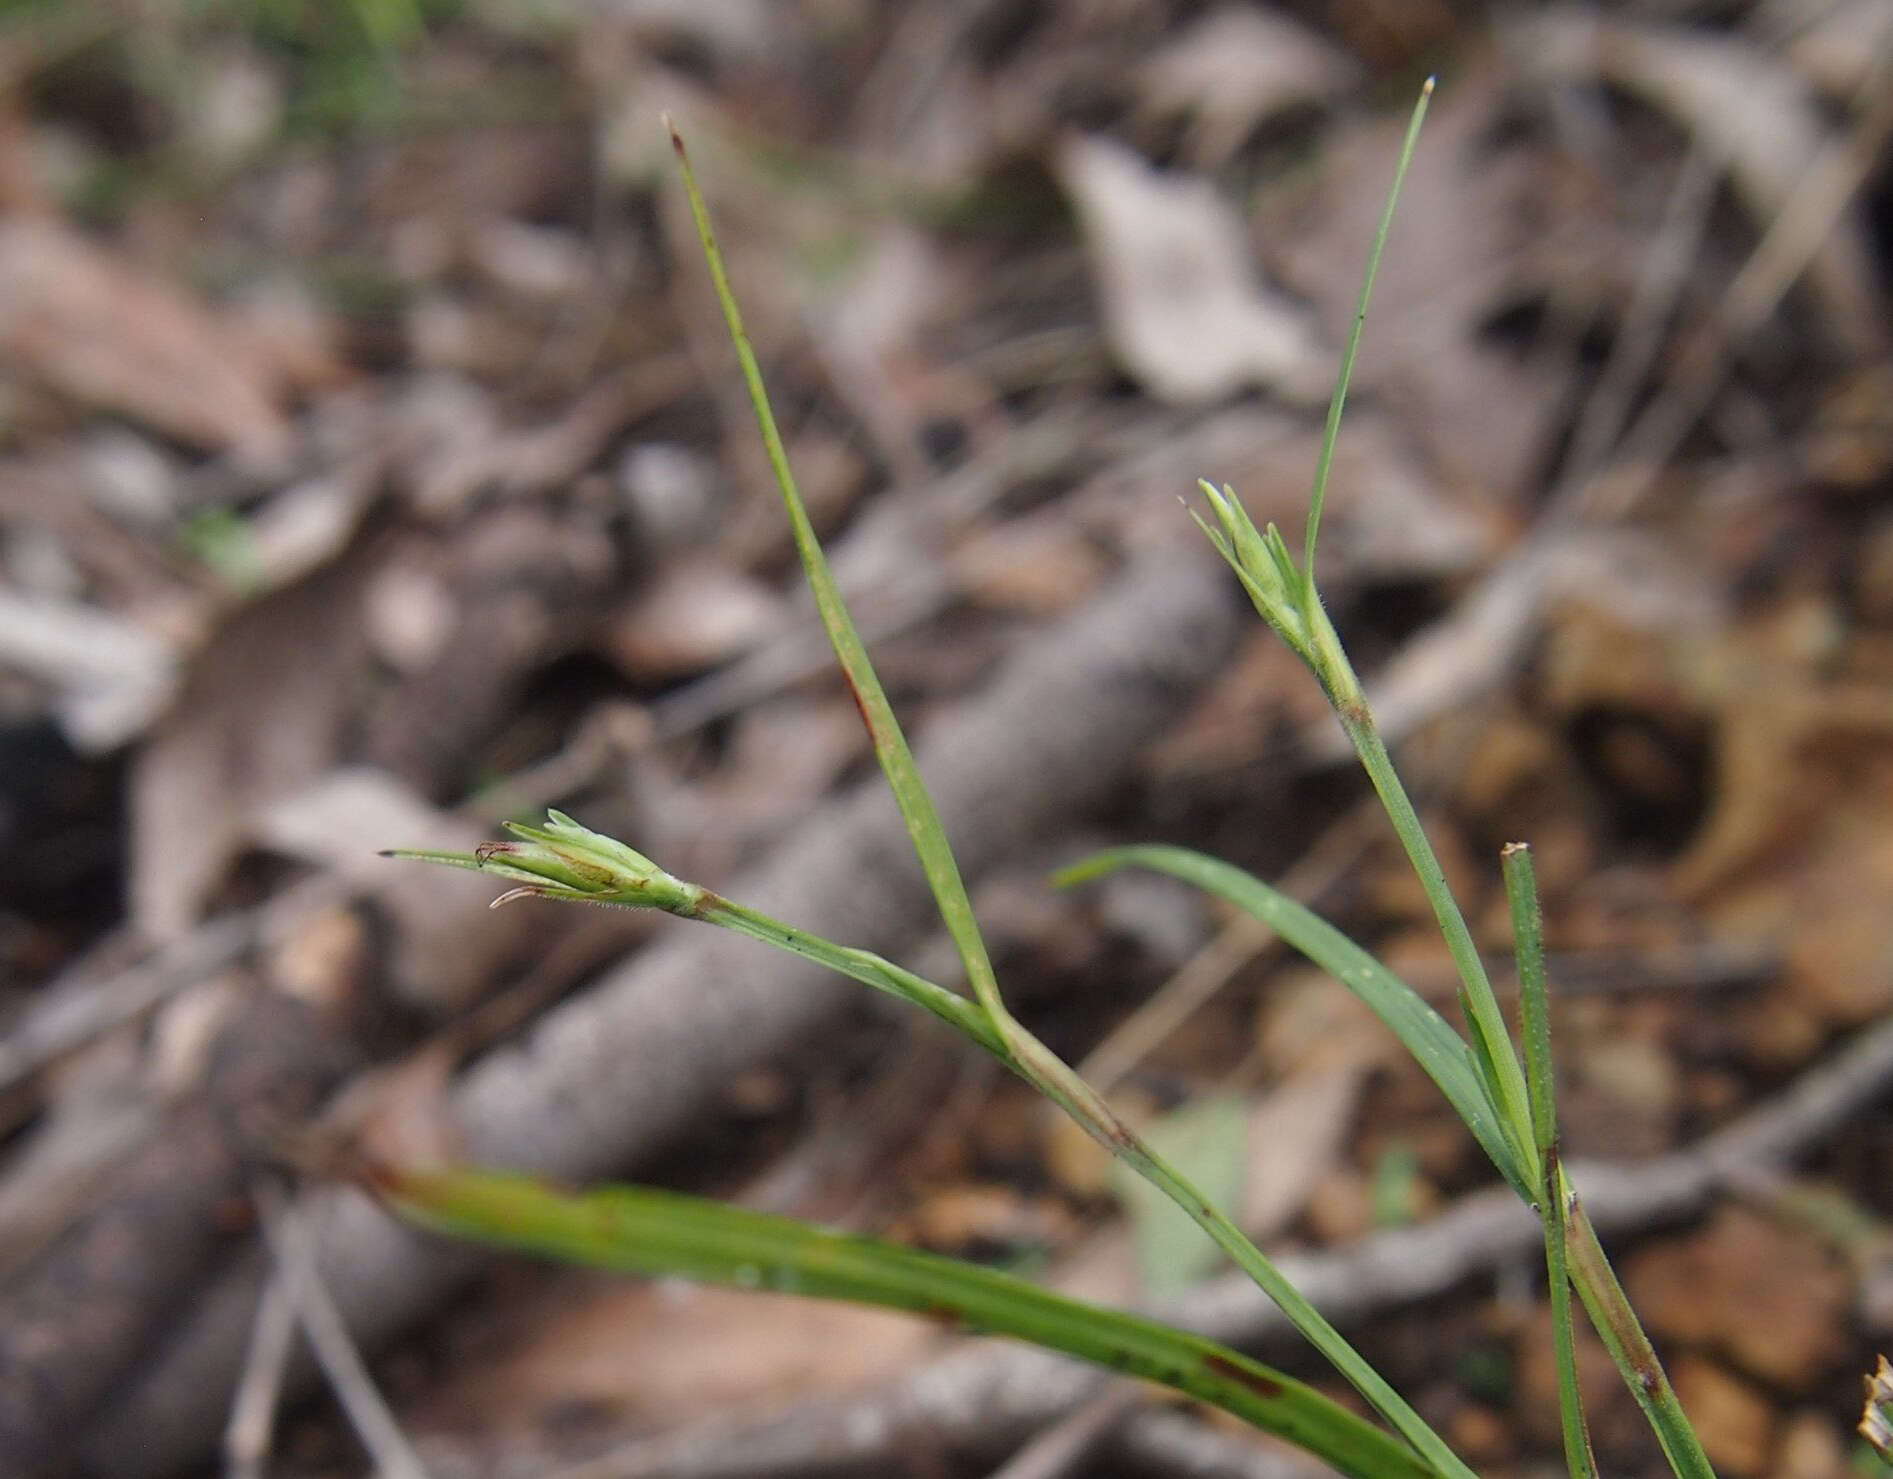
[
  {"x": 1331, "y": 433},
  {"x": 1440, "y": 1050},
  {"x": 890, "y": 744},
  {"x": 638, "y": 1230},
  {"x": 1521, "y": 893}
]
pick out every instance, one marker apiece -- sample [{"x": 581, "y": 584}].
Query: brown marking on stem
[
  {"x": 676, "y": 139},
  {"x": 947, "y": 1318},
  {"x": 487, "y": 851},
  {"x": 1217, "y": 1364},
  {"x": 861, "y": 705},
  {"x": 1119, "y": 1135},
  {"x": 1554, "y": 1204},
  {"x": 695, "y": 906}
]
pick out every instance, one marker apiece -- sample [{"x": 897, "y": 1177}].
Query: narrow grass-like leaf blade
[
  {"x": 1425, "y": 1034},
  {"x": 638, "y": 1230}
]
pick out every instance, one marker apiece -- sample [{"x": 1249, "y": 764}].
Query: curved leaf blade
[
  {"x": 1424, "y": 1033},
  {"x": 640, "y": 1230}
]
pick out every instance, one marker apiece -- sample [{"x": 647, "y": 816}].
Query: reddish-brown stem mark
[
  {"x": 1262, "y": 1386},
  {"x": 945, "y": 1316},
  {"x": 860, "y": 704}
]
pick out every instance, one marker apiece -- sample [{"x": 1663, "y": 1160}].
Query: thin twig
[
  {"x": 247, "y": 1438},
  {"x": 1063, "y": 1447},
  {"x": 329, "y": 1339},
  {"x": 92, "y": 998},
  {"x": 1640, "y": 332},
  {"x": 1177, "y": 1445}
]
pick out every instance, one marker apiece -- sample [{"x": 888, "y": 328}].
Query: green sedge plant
[{"x": 1504, "y": 1098}]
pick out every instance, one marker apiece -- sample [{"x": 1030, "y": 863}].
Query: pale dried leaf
[
  {"x": 100, "y": 1109},
  {"x": 747, "y": 31},
  {"x": 1207, "y": 1140},
  {"x": 1838, "y": 52},
  {"x": 1039, "y": 565},
  {"x": 1185, "y": 307},
  {"x": 124, "y": 474},
  {"x": 340, "y": 820},
  {"x": 110, "y": 677},
  {"x": 261, "y": 716},
  {"x": 531, "y": 261},
  {"x": 1876, "y": 1422},
  {"x": 98, "y": 329},
  {"x": 404, "y": 1114},
  {"x": 696, "y": 613},
  {"x": 1388, "y": 517},
  {"x": 411, "y": 614},
  {"x": 444, "y": 944},
  {"x": 668, "y": 1352},
  {"x": 309, "y": 523}
]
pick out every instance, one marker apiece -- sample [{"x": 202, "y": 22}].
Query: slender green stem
[
  {"x": 564, "y": 860},
  {"x": 964, "y": 1016},
  {"x": 1287, "y": 599},
  {"x": 890, "y": 744},
  {"x": 1616, "y": 1323},
  {"x": 1304, "y": 1316},
  {"x": 1578, "y": 1457},
  {"x": 1491, "y": 1044},
  {"x": 1521, "y": 892},
  {"x": 1060, "y": 1083}
]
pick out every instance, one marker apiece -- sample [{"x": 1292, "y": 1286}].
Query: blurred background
[{"x": 374, "y": 468}]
